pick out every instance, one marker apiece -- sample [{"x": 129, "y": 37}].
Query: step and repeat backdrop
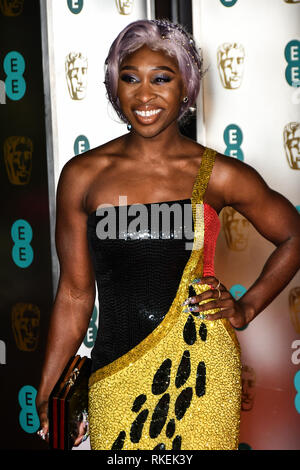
[
  {"x": 26, "y": 275},
  {"x": 248, "y": 109},
  {"x": 251, "y": 111}
]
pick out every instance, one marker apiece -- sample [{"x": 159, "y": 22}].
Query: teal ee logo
[
  {"x": 81, "y": 145},
  {"x": 292, "y": 56},
  {"x": 298, "y": 208},
  {"x": 14, "y": 67},
  {"x": 28, "y": 417},
  {"x": 22, "y": 252},
  {"x": 237, "y": 291},
  {"x": 228, "y": 3},
  {"x": 244, "y": 446},
  {"x": 297, "y": 387},
  {"x": 91, "y": 333},
  {"x": 233, "y": 138},
  {"x": 75, "y": 6}
]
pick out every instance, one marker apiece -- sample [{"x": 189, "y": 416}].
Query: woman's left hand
[{"x": 222, "y": 299}]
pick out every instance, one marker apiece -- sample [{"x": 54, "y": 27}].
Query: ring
[
  {"x": 219, "y": 292},
  {"x": 219, "y": 283}
]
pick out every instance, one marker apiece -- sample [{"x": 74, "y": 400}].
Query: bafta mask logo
[
  {"x": 230, "y": 57},
  {"x": 236, "y": 229},
  {"x": 11, "y": 7},
  {"x": 294, "y": 304},
  {"x": 292, "y": 1},
  {"x": 26, "y": 325},
  {"x": 124, "y": 6},
  {"x": 248, "y": 388},
  {"x": 291, "y": 140},
  {"x": 18, "y": 159},
  {"x": 76, "y": 65}
]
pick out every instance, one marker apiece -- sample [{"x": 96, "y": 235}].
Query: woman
[{"x": 166, "y": 362}]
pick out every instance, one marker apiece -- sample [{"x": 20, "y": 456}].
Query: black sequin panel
[{"x": 137, "y": 279}]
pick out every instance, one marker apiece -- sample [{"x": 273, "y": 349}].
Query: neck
[{"x": 155, "y": 147}]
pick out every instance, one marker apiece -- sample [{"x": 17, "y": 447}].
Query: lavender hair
[{"x": 157, "y": 35}]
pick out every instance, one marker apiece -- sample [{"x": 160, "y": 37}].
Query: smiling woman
[{"x": 166, "y": 365}]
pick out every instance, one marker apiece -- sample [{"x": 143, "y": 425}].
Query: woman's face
[{"x": 150, "y": 90}]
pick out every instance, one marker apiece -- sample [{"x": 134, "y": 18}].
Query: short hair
[{"x": 153, "y": 33}]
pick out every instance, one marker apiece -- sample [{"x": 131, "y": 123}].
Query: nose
[{"x": 145, "y": 92}]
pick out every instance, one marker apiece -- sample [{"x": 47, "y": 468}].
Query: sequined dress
[{"x": 162, "y": 379}]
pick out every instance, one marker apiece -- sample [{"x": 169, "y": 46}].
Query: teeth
[{"x": 147, "y": 113}]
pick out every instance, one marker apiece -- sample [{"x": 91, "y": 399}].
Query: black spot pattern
[
  {"x": 183, "y": 402},
  {"x": 203, "y": 332},
  {"x": 160, "y": 384},
  {"x": 176, "y": 445},
  {"x": 159, "y": 416},
  {"x": 161, "y": 379},
  {"x": 160, "y": 446},
  {"x": 170, "y": 429},
  {"x": 138, "y": 403},
  {"x": 184, "y": 369},
  {"x": 119, "y": 442},
  {"x": 200, "y": 379},
  {"x": 189, "y": 331},
  {"x": 137, "y": 426},
  {"x": 192, "y": 292}
]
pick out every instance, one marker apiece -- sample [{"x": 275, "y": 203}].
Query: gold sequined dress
[{"x": 162, "y": 379}]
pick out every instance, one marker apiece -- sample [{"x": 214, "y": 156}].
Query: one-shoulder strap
[{"x": 205, "y": 170}]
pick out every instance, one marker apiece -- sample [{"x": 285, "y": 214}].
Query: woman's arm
[
  {"x": 276, "y": 219},
  {"x": 75, "y": 295}
]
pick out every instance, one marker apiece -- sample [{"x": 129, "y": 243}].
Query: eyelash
[{"x": 162, "y": 79}]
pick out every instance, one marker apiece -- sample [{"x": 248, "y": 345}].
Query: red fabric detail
[{"x": 212, "y": 227}]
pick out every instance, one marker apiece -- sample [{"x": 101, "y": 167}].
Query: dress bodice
[{"x": 139, "y": 253}]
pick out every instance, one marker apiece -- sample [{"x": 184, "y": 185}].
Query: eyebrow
[{"x": 161, "y": 67}]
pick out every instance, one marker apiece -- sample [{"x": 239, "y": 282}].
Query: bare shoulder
[
  {"x": 236, "y": 181},
  {"x": 79, "y": 171}
]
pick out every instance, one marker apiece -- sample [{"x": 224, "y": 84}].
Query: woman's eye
[
  {"x": 128, "y": 78},
  {"x": 162, "y": 79}
]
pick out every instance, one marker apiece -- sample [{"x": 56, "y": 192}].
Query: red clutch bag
[{"x": 68, "y": 404}]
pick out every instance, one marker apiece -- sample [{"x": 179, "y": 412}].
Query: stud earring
[
  {"x": 129, "y": 126},
  {"x": 185, "y": 99}
]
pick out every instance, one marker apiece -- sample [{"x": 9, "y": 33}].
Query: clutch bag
[{"x": 68, "y": 403}]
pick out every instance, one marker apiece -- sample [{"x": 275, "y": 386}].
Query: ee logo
[
  {"x": 75, "y": 6},
  {"x": 237, "y": 291},
  {"x": 28, "y": 418},
  {"x": 297, "y": 387},
  {"x": 91, "y": 333},
  {"x": 292, "y": 56},
  {"x": 81, "y": 145},
  {"x": 228, "y": 3},
  {"x": 22, "y": 252},
  {"x": 14, "y": 67},
  {"x": 233, "y": 138}
]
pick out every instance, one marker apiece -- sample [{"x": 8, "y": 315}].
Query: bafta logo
[
  {"x": 124, "y": 6},
  {"x": 292, "y": 1},
  {"x": 76, "y": 75},
  {"x": 294, "y": 304},
  {"x": 230, "y": 58},
  {"x": 26, "y": 324},
  {"x": 18, "y": 159},
  {"x": 248, "y": 388},
  {"x": 236, "y": 229},
  {"x": 11, "y": 7},
  {"x": 291, "y": 139}
]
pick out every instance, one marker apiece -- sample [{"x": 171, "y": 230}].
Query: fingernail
[
  {"x": 190, "y": 309},
  {"x": 188, "y": 301},
  {"x": 195, "y": 281}
]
